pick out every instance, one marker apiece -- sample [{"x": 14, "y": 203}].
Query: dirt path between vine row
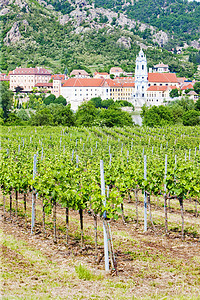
[{"x": 149, "y": 264}]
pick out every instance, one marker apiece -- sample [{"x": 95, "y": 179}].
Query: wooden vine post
[
  {"x": 182, "y": 217},
  {"x": 16, "y": 202},
  {"x": 165, "y": 196},
  {"x": 67, "y": 224},
  {"x": 145, "y": 194},
  {"x": 54, "y": 221},
  {"x": 33, "y": 196},
  {"x": 11, "y": 205},
  {"x": 104, "y": 218},
  {"x": 4, "y": 207},
  {"x": 25, "y": 216}
]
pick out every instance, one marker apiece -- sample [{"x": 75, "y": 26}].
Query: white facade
[
  {"x": 78, "y": 93},
  {"x": 141, "y": 80}
]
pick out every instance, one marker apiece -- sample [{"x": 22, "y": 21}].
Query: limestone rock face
[
  {"x": 124, "y": 42},
  {"x": 78, "y": 16},
  {"x": 4, "y": 3},
  {"x": 92, "y": 17},
  {"x": 20, "y": 3},
  {"x": 142, "y": 45},
  {"x": 4, "y": 11},
  {"x": 64, "y": 19},
  {"x": 161, "y": 38},
  {"x": 13, "y": 35},
  {"x": 195, "y": 44}
]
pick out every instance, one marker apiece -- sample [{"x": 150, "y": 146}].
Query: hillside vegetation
[
  {"x": 180, "y": 18},
  {"x": 35, "y": 34}
]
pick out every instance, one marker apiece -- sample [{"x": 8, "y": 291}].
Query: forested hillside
[
  {"x": 85, "y": 37},
  {"x": 180, "y": 18}
]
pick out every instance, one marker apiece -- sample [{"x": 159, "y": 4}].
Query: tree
[
  {"x": 13, "y": 120},
  {"x": 62, "y": 115},
  {"x": 157, "y": 116},
  {"x": 96, "y": 101},
  {"x": 86, "y": 114},
  {"x": 22, "y": 114},
  {"x": 174, "y": 93},
  {"x": 114, "y": 117},
  {"x": 49, "y": 99},
  {"x": 197, "y": 87},
  {"x": 6, "y": 98},
  {"x": 42, "y": 117},
  {"x": 197, "y": 104},
  {"x": 191, "y": 118},
  {"x": 60, "y": 100},
  {"x": 107, "y": 103},
  {"x": 177, "y": 113}
]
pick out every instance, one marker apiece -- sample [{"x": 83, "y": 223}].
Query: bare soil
[{"x": 150, "y": 265}]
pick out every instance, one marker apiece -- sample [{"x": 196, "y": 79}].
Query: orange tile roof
[
  {"x": 116, "y": 69},
  {"x": 186, "y": 87},
  {"x": 83, "y": 82},
  {"x": 30, "y": 71},
  {"x": 101, "y": 73},
  {"x": 58, "y": 76},
  {"x": 192, "y": 93},
  {"x": 44, "y": 84},
  {"x": 161, "y": 65},
  {"x": 3, "y": 77},
  {"x": 128, "y": 84},
  {"x": 181, "y": 79},
  {"x": 172, "y": 87},
  {"x": 162, "y": 77},
  {"x": 124, "y": 79},
  {"x": 79, "y": 72},
  {"x": 157, "y": 88},
  {"x": 112, "y": 83}
]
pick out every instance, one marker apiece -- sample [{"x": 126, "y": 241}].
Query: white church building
[
  {"x": 141, "y": 80},
  {"x": 151, "y": 88}
]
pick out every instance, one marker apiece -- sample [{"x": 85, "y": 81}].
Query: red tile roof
[
  {"x": 186, "y": 87},
  {"x": 124, "y": 79},
  {"x": 101, "y": 73},
  {"x": 45, "y": 84},
  {"x": 58, "y": 76},
  {"x": 112, "y": 83},
  {"x": 192, "y": 93},
  {"x": 172, "y": 87},
  {"x": 79, "y": 72},
  {"x": 157, "y": 88},
  {"x": 30, "y": 71},
  {"x": 84, "y": 82},
  {"x": 161, "y": 65},
  {"x": 116, "y": 70},
  {"x": 181, "y": 79},
  {"x": 3, "y": 77},
  {"x": 162, "y": 77},
  {"x": 128, "y": 84}
]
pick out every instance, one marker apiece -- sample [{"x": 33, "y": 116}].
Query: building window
[{"x": 142, "y": 67}]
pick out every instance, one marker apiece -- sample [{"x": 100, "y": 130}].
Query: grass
[
  {"x": 83, "y": 272},
  {"x": 146, "y": 270}
]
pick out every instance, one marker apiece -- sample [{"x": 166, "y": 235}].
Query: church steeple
[{"x": 141, "y": 80}]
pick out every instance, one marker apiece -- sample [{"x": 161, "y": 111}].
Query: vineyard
[{"x": 84, "y": 188}]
